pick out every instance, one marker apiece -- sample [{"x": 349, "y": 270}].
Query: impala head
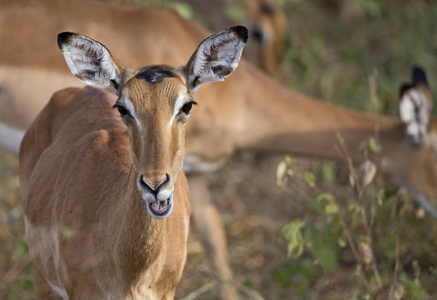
[
  {"x": 415, "y": 107},
  {"x": 155, "y": 103},
  {"x": 267, "y": 29}
]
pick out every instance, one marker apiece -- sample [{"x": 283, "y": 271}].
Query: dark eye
[
  {"x": 187, "y": 107},
  {"x": 121, "y": 109}
]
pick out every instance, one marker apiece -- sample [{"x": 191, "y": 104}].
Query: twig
[
  {"x": 14, "y": 272},
  {"x": 203, "y": 289},
  {"x": 248, "y": 291},
  {"x": 314, "y": 254},
  {"x": 354, "y": 252},
  {"x": 373, "y": 79},
  {"x": 253, "y": 294},
  {"x": 396, "y": 271}
]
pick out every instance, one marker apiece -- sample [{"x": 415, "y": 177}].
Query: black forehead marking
[{"x": 154, "y": 75}]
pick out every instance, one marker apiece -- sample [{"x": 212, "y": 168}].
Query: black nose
[{"x": 153, "y": 188}]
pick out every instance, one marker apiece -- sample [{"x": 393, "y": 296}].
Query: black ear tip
[
  {"x": 63, "y": 38},
  {"x": 241, "y": 32},
  {"x": 419, "y": 75}
]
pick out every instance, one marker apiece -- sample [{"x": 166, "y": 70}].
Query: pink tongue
[
  {"x": 158, "y": 206},
  {"x": 155, "y": 206}
]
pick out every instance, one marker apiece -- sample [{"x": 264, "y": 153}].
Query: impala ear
[
  {"x": 90, "y": 61},
  {"x": 419, "y": 76},
  {"x": 216, "y": 57}
]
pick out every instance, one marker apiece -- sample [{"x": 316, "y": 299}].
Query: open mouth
[{"x": 161, "y": 209}]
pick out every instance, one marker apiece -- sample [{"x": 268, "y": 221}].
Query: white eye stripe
[
  {"x": 130, "y": 108},
  {"x": 180, "y": 101}
]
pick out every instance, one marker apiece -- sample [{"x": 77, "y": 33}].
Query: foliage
[
  {"x": 376, "y": 227},
  {"x": 330, "y": 41},
  {"x": 379, "y": 228}
]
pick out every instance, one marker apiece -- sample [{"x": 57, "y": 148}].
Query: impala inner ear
[
  {"x": 90, "y": 61},
  {"x": 216, "y": 57}
]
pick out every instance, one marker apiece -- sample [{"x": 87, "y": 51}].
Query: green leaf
[
  {"x": 323, "y": 198},
  {"x": 310, "y": 179},
  {"x": 293, "y": 235},
  {"x": 331, "y": 208},
  {"x": 20, "y": 248},
  {"x": 342, "y": 242},
  {"x": 67, "y": 233},
  {"x": 374, "y": 145},
  {"x": 381, "y": 197},
  {"x": 288, "y": 161},
  {"x": 328, "y": 171}
]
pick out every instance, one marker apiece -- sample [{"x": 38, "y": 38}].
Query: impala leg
[{"x": 208, "y": 225}]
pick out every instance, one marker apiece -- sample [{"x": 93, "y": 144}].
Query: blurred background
[{"x": 290, "y": 221}]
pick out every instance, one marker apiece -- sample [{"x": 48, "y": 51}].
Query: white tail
[{"x": 106, "y": 205}]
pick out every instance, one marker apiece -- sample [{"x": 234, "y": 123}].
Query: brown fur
[
  {"x": 77, "y": 176},
  {"x": 97, "y": 197},
  {"x": 249, "y": 112}
]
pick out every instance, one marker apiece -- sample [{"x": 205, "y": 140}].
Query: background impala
[{"x": 420, "y": 165}]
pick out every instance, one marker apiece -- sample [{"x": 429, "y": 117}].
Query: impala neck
[
  {"x": 278, "y": 120},
  {"x": 139, "y": 235}
]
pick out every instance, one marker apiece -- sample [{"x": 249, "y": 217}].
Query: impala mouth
[{"x": 161, "y": 209}]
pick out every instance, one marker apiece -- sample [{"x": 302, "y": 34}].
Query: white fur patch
[
  {"x": 414, "y": 111},
  {"x": 130, "y": 107},
  {"x": 10, "y": 138},
  {"x": 60, "y": 291},
  {"x": 180, "y": 101}
]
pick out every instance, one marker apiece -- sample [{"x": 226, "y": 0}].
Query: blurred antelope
[
  {"x": 267, "y": 29},
  {"x": 251, "y": 112},
  {"x": 117, "y": 188}
]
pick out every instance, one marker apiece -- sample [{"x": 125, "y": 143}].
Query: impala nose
[{"x": 153, "y": 188}]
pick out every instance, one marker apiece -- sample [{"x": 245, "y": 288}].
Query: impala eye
[
  {"x": 121, "y": 109},
  {"x": 187, "y": 107}
]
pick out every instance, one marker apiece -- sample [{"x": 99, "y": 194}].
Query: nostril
[
  {"x": 167, "y": 179},
  {"x": 153, "y": 189},
  {"x": 144, "y": 185}
]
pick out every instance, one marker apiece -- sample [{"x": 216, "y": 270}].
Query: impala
[
  {"x": 119, "y": 192},
  {"x": 251, "y": 112},
  {"x": 267, "y": 28}
]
